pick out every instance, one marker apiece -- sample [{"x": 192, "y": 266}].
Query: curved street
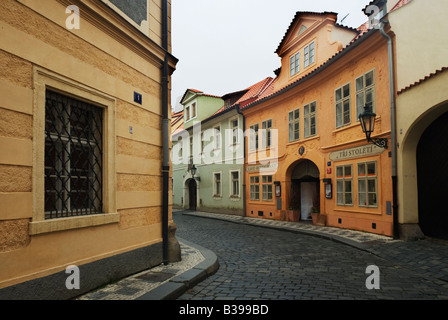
[{"x": 265, "y": 264}]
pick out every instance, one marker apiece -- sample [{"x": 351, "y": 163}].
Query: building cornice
[{"x": 110, "y": 22}]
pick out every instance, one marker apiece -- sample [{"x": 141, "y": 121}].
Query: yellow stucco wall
[
  {"x": 37, "y": 51},
  {"x": 419, "y": 52}
]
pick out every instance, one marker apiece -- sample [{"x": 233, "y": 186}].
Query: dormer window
[
  {"x": 309, "y": 54},
  {"x": 187, "y": 113},
  {"x": 294, "y": 64}
]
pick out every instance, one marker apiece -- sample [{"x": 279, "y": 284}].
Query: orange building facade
[{"x": 306, "y": 155}]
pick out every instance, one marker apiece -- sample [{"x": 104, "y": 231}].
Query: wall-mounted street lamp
[
  {"x": 367, "y": 120},
  {"x": 193, "y": 171}
]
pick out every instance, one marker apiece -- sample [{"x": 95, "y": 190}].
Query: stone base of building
[
  {"x": 92, "y": 276},
  {"x": 410, "y": 232}
]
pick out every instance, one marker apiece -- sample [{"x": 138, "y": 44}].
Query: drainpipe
[
  {"x": 165, "y": 133},
  {"x": 393, "y": 126},
  {"x": 244, "y": 159}
]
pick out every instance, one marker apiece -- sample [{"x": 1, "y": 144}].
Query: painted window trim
[
  {"x": 231, "y": 132},
  {"x": 188, "y": 112},
  {"x": 373, "y": 86},
  {"x": 293, "y": 122},
  {"x": 306, "y": 62},
  {"x": 215, "y": 144},
  {"x": 231, "y": 195},
  {"x": 308, "y": 117},
  {"x": 251, "y": 184},
  {"x": 267, "y": 184},
  {"x": 254, "y": 137},
  {"x": 296, "y": 59},
  {"x": 366, "y": 178},
  {"x": 342, "y": 100},
  {"x": 266, "y": 135},
  {"x": 344, "y": 179},
  {"x": 217, "y": 195}
]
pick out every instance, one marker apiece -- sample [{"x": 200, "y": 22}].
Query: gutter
[
  {"x": 393, "y": 126},
  {"x": 238, "y": 110},
  {"x": 165, "y": 132}
]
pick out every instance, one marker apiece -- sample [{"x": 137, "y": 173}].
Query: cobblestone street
[{"x": 261, "y": 263}]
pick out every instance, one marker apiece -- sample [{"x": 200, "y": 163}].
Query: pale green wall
[{"x": 206, "y": 200}]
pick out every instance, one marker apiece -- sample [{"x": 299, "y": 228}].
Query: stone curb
[{"x": 175, "y": 287}]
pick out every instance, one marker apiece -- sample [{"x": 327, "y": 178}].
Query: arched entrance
[
  {"x": 305, "y": 188},
  {"x": 192, "y": 194},
  {"x": 432, "y": 173}
]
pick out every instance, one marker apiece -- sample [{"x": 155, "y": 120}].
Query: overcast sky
[{"x": 228, "y": 45}]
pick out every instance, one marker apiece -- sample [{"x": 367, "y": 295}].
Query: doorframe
[{"x": 186, "y": 192}]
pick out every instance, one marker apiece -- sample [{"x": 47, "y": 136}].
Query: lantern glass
[
  {"x": 193, "y": 170},
  {"x": 367, "y": 120}
]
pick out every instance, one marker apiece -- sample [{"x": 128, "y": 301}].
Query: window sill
[{"x": 71, "y": 223}]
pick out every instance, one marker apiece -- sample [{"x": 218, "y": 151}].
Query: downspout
[
  {"x": 238, "y": 110},
  {"x": 393, "y": 126},
  {"x": 165, "y": 133}
]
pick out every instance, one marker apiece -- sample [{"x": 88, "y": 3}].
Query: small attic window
[{"x": 302, "y": 30}]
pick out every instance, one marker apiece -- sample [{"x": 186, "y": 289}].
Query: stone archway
[
  {"x": 305, "y": 188},
  {"x": 432, "y": 177},
  {"x": 410, "y": 200}
]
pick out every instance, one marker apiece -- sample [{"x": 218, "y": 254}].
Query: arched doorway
[
  {"x": 432, "y": 176},
  {"x": 305, "y": 188},
  {"x": 192, "y": 194}
]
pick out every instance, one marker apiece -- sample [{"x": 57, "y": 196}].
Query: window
[
  {"x": 267, "y": 188},
  {"x": 253, "y": 137},
  {"x": 235, "y": 184},
  {"x": 365, "y": 92},
  {"x": 367, "y": 184},
  {"x": 234, "y": 128},
  {"x": 255, "y": 188},
  {"x": 344, "y": 181},
  {"x": 266, "y": 138},
  {"x": 309, "y": 55},
  {"x": 343, "y": 106},
  {"x": 187, "y": 113},
  {"x": 73, "y": 157},
  {"x": 193, "y": 110},
  {"x": 309, "y": 119},
  {"x": 217, "y": 184},
  {"x": 294, "y": 125},
  {"x": 294, "y": 64},
  {"x": 180, "y": 143},
  {"x": 202, "y": 142},
  {"x": 191, "y": 147},
  {"x": 217, "y": 137}
]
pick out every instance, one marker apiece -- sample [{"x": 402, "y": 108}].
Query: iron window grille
[{"x": 73, "y": 157}]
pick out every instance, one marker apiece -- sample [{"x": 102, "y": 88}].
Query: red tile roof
[{"x": 431, "y": 75}]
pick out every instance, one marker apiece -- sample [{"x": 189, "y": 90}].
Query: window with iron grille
[{"x": 73, "y": 157}]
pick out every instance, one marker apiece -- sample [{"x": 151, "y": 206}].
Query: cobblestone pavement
[{"x": 288, "y": 263}]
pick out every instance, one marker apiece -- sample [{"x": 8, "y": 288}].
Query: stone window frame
[{"x": 43, "y": 80}]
